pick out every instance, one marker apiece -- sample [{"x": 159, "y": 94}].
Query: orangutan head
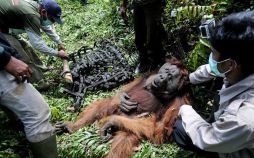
[{"x": 168, "y": 81}]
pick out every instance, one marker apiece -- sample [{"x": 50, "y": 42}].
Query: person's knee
[
  {"x": 178, "y": 133},
  {"x": 180, "y": 136},
  {"x": 44, "y": 112},
  {"x": 39, "y": 130},
  {"x": 182, "y": 139},
  {"x": 37, "y": 125}
]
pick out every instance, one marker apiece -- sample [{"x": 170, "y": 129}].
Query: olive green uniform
[
  {"x": 19, "y": 14},
  {"x": 24, "y": 15}
]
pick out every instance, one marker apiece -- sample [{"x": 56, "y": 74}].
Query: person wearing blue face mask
[
  {"x": 32, "y": 17},
  {"x": 231, "y": 133},
  {"x": 214, "y": 66},
  {"x": 28, "y": 16}
]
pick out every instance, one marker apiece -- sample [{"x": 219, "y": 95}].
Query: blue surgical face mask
[
  {"x": 214, "y": 67},
  {"x": 46, "y": 22}
]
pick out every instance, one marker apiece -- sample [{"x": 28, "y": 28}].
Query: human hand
[
  {"x": 62, "y": 54},
  {"x": 18, "y": 69},
  {"x": 125, "y": 104},
  {"x": 61, "y": 46}
]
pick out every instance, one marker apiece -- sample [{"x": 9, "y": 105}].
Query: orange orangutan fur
[{"x": 132, "y": 128}]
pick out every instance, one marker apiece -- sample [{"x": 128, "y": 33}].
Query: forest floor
[{"x": 83, "y": 25}]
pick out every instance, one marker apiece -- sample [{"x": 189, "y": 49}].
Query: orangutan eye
[
  {"x": 168, "y": 70},
  {"x": 169, "y": 75}
]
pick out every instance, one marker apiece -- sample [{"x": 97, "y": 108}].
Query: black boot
[{"x": 45, "y": 149}]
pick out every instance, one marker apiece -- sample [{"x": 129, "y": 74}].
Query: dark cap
[{"x": 53, "y": 9}]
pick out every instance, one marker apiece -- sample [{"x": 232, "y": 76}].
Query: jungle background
[{"x": 99, "y": 19}]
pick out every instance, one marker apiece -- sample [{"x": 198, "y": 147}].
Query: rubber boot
[{"x": 45, "y": 149}]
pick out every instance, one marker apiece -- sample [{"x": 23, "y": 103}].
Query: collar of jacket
[{"x": 228, "y": 93}]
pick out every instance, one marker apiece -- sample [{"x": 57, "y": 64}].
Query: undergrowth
[{"x": 83, "y": 26}]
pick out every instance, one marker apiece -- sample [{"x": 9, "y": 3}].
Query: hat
[{"x": 53, "y": 9}]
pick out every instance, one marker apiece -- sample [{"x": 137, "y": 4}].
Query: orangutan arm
[
  {"x": 95, "y": 111},
  {"x": 141, "y": 127},
  {"x": 92, "y": 112},
  {"x": 164, "y": 128},
  {"x": 123, "y": 145}
]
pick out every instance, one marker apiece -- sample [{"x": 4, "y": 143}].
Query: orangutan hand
[
  {"x": 61, "y": 127},
  {"x": 108, "y": 129},
  {"x": 125, "y": 104}
]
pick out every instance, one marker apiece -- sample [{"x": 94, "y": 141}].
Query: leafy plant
[
  {"x": 86, "y": 24},
  {"x": 199, "y": 55}
]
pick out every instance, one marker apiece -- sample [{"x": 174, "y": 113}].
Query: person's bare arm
[{"x": 19, "y": 69}]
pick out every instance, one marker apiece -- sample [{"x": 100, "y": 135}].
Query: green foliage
[
  {"x": 83, "y": 143},
  {"x": 191, "y": 12},
  {"x": 12, "y": 143},
  {"x": 199, "y": 55},
  {"x": 99, "y": 19},
  {"x": 149, "y": 150},
  {"x": 87, "y": 24}
]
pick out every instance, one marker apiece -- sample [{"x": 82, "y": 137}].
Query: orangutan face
[{"x": 165, "y": 82}]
